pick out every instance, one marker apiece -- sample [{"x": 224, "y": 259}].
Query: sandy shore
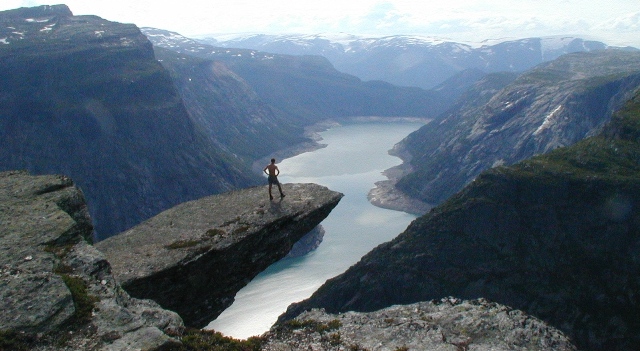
[{"x": 384, "y": 194}]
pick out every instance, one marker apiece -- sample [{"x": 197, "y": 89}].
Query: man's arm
[
  {"x": 265, "y": 170},
  {"x": 277, "y": 171}
]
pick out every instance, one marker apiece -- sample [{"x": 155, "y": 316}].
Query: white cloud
[{"x": 614, "y": 21}]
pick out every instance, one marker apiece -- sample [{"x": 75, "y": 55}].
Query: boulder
[{"x": 56, "y": 289}]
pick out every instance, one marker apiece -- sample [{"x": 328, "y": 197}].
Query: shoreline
[{"x": 384, "y": 194}]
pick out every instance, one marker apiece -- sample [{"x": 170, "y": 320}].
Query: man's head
[{"x": 273, "y": 160}]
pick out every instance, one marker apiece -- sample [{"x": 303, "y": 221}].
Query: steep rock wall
[{"x": 85, "y": 97}]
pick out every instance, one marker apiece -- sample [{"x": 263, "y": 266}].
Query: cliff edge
[
  {"x": 56, "y": 289},
  {"x": 194, "y": 257}
]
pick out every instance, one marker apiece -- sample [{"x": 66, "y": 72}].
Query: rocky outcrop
[
  {"x": 57, "y": 290},
  {"x": 554, "y": 105},
  {"x": 445, "y": 325},
  {"x": 556, "y": 236},
  {"x": 193, "y": 258}
]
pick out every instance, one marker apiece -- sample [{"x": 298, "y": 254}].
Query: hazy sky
[{"x": 616, "y": 22}]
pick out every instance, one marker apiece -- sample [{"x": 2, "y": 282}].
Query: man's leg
[
  {"x": 270, "y": 196},
  {"x": 280, "y": 188}
]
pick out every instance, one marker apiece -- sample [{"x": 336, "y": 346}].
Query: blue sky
[{"x": 616, "y": 22}]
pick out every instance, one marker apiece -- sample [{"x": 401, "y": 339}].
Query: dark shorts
[{"x": 273, "y": 180}]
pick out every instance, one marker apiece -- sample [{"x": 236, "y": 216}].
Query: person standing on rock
[{"x": 272, "y": 171}]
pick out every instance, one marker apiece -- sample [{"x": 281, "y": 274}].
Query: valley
[
  {"x": 526, "y": 151},
  {"x": 354, "y": 156}
]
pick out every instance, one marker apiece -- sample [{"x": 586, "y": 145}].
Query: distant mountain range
[
  {"x": 413, "y": 60},
  {"x": 309, "y": 88}
]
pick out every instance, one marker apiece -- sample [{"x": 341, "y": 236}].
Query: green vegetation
[
  {"x": 82, "y": 300},
  {"x": 544, "y": 75},
  {"x": 209, "y": 234},
  {"x": 181, "y": 244},
  {"x": 611, "y": 156},
  {"x": 205, "y": 340},
  {"x": 241, "y": 229},
  {"x": 12, "y": 340},
  {"x": 335, "y": 339},
  {"x": 309, "y": 325}
]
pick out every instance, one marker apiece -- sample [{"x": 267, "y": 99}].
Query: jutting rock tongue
[{"x": 193, "y": 258}]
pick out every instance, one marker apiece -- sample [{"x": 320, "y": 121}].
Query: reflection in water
[{"x": 351, "y": 163}]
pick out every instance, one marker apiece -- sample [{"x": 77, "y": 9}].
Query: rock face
[
  {"x": 193, "y": 258},
  {"x": 227, "y": 108},
  {"x": 554, "y": 105},
  {"x": 57, "y": 291},
  {"x": 86, "y": 97},
  {"x": 556, "y": 236},
  {"x": 446, "y": 325}
]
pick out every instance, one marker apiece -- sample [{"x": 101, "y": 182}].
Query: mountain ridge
[
  {"x": 308, "y": 88},
  {"x": 417, "y": 61},
  {"x": 555, "y": 104}
]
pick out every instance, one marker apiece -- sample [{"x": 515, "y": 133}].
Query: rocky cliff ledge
[
  {"x": 445, "y": 325},
  {"x": 193, "y": 258},
  {"x": 56, "y": 289}
]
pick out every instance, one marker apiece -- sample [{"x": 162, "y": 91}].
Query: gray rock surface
[
  {"x": 54, "y": 286},
  {"x": 447, "y": 325},
  {"x": 193, "y": 258}
]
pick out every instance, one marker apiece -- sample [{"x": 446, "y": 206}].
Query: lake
[{"x": 353, "y": 160}]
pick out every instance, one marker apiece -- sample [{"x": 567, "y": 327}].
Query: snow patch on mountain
[{"x": 548, "y": 120}]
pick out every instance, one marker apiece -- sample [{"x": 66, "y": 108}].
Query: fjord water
[{"x": 353, "y": 160}]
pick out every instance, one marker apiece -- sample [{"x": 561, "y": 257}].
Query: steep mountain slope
[
  {"x": 85, "y": 97},
  {"x": 556, "y": 236},
  {"x": 307, "y": 89},
  {"x": 412, "y": 60},
  {"x": 553, "y": 105},
  {"x": 227, "y": 109}
]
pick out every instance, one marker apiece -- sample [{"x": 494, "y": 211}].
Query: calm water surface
[{"x": 352, "y": 162}]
